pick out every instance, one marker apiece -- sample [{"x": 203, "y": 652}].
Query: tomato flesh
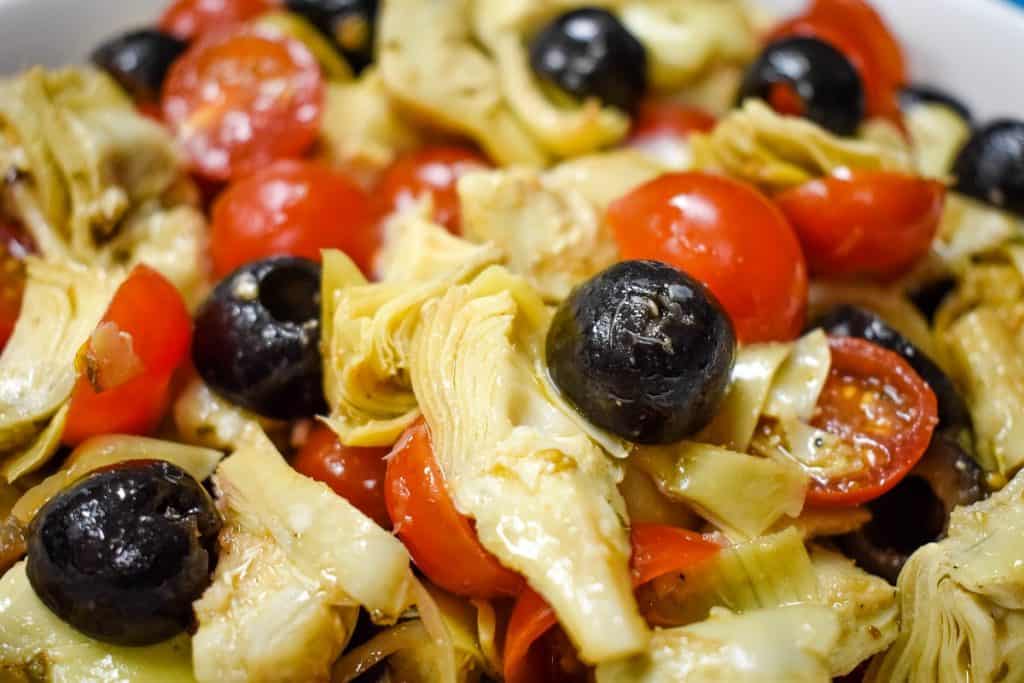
[
  {"x": 433, "y": 170},
  {"x": 441, "y": 541},
  {"x": 883, "y": 412},
  {"x": 355, "y": 474},
  {"x": 241, "y": 99},
  {"x": 150, "y": 315},
  {"x": 186, "y": 19},
  {"x": 867, "y": 223},
  {"x": 659, "y": 118},
  {"x": 727, "y": 235},
  {"x": 296, "y": 208}
]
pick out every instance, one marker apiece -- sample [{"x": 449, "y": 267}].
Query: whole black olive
[
  {"x": 589, "y": 53},
  {"x": 853, "y": 321},
  {"x": 349, "y": 24},
  {"x": 917, "y": 510},
  {"x": 990, "y": 167},
  {"x": 139, "y": 61},
  {"x": 914, "y": 95},
  {"x": 643, "y": 351},
  {"x": 824, "y": 80},
  {"x": 257, "y": 338},
  {"x": 122, "y": 554}
]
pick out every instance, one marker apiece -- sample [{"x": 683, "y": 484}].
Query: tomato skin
[
  {"x": 291, "y": 207},
  {"x": 15, "y": 245},
  {"x": 858, "y": 367},
  {"x": 657, "y": 550},
  {"x": 241, "y": 99},
  {"x": 856, "y": 29},
  {"x": 441, "y": 541},
  {"x": 660, "y": 118},
  {"x": 870, "y": 223},
  {"x": 355, "y": 474},
  {"x": 727, "y": 235},
  {"x": 432, "y": 169},
  {"x": 186, "y": 19},
  {"x": 149, "y": 309}
]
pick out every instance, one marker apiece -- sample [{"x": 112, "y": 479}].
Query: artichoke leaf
[
  {"x": 937, "y": 134},
  {"x": 788, "y": 644},
  {"x": 542, "y": 493},
  {"x": 296, "y": 562},
  {"x": 38, "y": 453},
  {"x": 778, "y": 152},
  {"x": 742, "y": 495},
  {"x": 202, "y": 418},
  {"x": 798, "y": 383},
  {"x": 604, "y": 177},
  {"x": 39, "y": 646},
  {"x": 970, "y": 229}
]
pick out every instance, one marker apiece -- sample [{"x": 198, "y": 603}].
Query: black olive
[
  {"x": 853, "y": 321},
  {"x": 929, "y": 297},
  {"x": 643, "y": 351},
  {"x": 589, "y": 53},
  {"x": 990, "y": 167},
  {"x": 122, "y": 554},
  {"x": 349, "y": 24},
  {"x": 914, "y": 95},
  {"x": 257, "y": 338},
  {"x": 823, "y": 79},
  {"x": 917, "y": 510},
  {"x": 139, "y": 61}
]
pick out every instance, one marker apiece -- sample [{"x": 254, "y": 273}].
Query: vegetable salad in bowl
[{"x": 415, "y": 341}]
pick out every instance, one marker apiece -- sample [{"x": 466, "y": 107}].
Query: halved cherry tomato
[
  {"x": 291, "y": 207},
  {"x": 662, "y": 118},
  {"x": 441, "y": 541},
  {"x": 15, "y": 245},
  {"x": 435, "y": 170},
  {"x": 186, "y": 19},
  {"x": 127, "y": 364},
  {"x": 883, "y": 412},
  {"x": 355, "y": 474},
  {"x": 241, "y": 99},
  {"x": 871, "y": 223},
  {"x": 856, "y": 29},
  {"x": 658, "y": 550},
  {"x": 727, "y": 235}
]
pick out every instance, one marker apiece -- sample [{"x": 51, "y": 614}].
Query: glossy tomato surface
[
  {"x": 187, "y": 19},
  {"x": 727, "y": 235},
  {"x": 240, "y": 99},
  {"x": 294, "y": 208}
]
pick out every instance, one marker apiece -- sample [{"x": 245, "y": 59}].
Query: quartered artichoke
[{"x": 296, "y": 562}]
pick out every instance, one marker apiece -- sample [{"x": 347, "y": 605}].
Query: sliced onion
[{"x": 355, "y": 663}]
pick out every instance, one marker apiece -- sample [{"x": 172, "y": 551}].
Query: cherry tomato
[
  {"x": 727, "y": 235},
  {"x": 870, "y": 223},
  {"x": 855, "y": 29},
  {"x": 127, "y": 364},
  {"x": 435, "y": 170},
  {"x": 657, "y": 550},
  {"x": 15, "y": 245},
  {"x": 883, "y": 412},
  {"x": 661, "y": 118},
  {"x": 440, "y": 540},
  {"x": 355, "y": 474},
  {"x": 241, "y": 99},
  {"x": 291, "y": 207},
  {"x": 186, "y": 19}
]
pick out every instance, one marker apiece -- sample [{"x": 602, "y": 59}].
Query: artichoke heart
[
  {"x": 296, "y": 562},
  {"x": 38, "y": 646},
  {"x": 777, "y": 152},
  {"x": 937, "y": 134},
  {"x": 962, "y": 600},
  {"x": 789, "y": 644},
  {"x": 63, "y": 304},
  {"x": 542, "y": 493}
]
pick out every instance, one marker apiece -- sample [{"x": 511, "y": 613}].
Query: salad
[{"x": 639, "y": 341}]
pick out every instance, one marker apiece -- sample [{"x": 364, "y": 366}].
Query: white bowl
[{"x": 971, "y": 47}]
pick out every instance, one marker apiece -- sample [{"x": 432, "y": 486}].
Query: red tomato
[
  {"x": 241, "y": 99},
  {"x": 657, "y": 550},
  {"x": 435, "y": 170},
  {"x": 855, "y": 29},
  {"x": 870, "y": 223},
  {"x": 727, "y": 235},
  {"x": 883, "y": 412},
  {"x": 127, "y": 364},
  {"x": 291, "y": 207},
  {"x": 15, "y": 245},
  {"x": 187, "y": 19},
  {"x": 440, "y": 540},
  {"x": 355, "y": 474},
  {"x": 660, "y": 118}
]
